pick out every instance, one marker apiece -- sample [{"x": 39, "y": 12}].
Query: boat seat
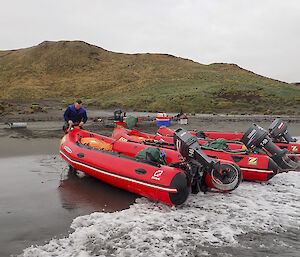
[{"x": 96, "y": 143}]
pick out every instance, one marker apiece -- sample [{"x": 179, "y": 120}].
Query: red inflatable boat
[
  {"x": 292, "y": 148},
  {"x": 257, "y": 167},
  {"x": 277, "y": 131},
  {"x": 114, "y": 162}
]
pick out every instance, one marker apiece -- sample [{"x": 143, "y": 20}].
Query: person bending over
[{"x": 75, "y": 115}]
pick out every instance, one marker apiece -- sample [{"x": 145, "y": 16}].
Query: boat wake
[{"x": 256, "y": 219}]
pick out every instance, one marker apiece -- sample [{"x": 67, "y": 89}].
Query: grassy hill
[{"x": 147, "y": 82}]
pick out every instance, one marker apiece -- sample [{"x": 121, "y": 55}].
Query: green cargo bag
[
  {"x": 218, "y": 144},
  {"x": 152, "y": 154},
  {"x": 131, "y": 121}
]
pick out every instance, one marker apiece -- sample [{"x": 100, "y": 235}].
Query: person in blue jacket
[{"x": 75, "y": 114}]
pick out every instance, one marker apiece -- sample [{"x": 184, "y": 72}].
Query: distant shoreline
[
  {"x": 48, "y": 122},
  {"x": 52, "y": 110},
  {"x": 55, "y": 114}
]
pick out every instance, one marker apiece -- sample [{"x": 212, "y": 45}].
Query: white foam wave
[{"x": 150, "y": 228}]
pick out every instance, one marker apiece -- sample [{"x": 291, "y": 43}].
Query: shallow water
[
  {"x": 40, "y": 198},
  {"x": 258, "y": 219}
]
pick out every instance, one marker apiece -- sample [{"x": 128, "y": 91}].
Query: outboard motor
[
  {"x": 225, "y": 176},
  {"x": 256, "y": 138},
  {"x": 278, "y": 131}
]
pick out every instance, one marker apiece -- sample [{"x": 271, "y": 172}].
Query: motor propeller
[{"x": 225, "y": 176}]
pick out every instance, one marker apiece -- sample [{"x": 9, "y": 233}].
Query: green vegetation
[{"x": 146, "y": 82}]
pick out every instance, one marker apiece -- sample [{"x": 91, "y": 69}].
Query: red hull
[
  {"x": 293, "y": 148},
  {"x": 165, "y": 184},
  {"x": 257, "y": 167},
  {"x": 225, "y": 135}
]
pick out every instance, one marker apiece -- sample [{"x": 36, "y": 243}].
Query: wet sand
[{"x": 40, "y": 197}]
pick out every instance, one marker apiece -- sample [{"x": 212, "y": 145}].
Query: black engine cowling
[
  {"x": 257, "y": 138},
  {"x": 278, "y": 131}
]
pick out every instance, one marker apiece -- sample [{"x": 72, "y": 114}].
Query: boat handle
[
  {"x": 80, "y": 155},
  {"x": 140, "y": 171}
]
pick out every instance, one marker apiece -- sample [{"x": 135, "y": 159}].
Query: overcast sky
[{"x": 259, "y": 35}]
